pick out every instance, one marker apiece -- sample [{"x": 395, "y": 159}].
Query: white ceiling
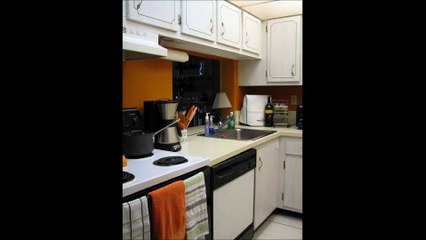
[{"x": 270, "y": 9}]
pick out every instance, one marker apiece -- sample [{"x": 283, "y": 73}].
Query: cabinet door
[
  {"x": 162, "y": 14},
  {"x": 251, "y": 33},
  {"x": 290, "y": 176},
  {"x": 199, "y": 18},
  {"x": 229, "y": 24},
  {"x": 284, "y": 50},
  {"x": 266, "y": 182},
  {"x": 293, "y": 183}
]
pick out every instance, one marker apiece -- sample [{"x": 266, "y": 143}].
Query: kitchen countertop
[{"x": 218, "y": 150}]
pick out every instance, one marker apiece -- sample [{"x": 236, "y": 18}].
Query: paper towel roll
[{"x": 237, "y": 117}]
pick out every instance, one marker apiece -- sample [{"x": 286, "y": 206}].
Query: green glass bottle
[{"x": 269, "y": 113}]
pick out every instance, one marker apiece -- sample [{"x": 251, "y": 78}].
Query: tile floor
[{"x": 280, "y": 225}]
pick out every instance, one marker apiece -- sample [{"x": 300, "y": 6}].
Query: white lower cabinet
[
  {"x": 290, "y": 177},
  {"x": 266, "y": 180}
]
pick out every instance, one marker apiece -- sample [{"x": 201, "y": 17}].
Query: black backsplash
[{"x": 196, "y": 82}]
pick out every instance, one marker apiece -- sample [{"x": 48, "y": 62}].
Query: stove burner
[
  {"x": 172, "y": 160},
  {"x": 139, "y": 156},
  {"x": 127, "y": 177}
]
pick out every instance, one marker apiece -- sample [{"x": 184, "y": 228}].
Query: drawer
[{"x": 293, "y": 146}]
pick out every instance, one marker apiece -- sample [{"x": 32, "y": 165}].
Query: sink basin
[{"x": 240, "y": 134}]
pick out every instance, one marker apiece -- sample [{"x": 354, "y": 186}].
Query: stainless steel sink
[{"x": 240, "y": 134}]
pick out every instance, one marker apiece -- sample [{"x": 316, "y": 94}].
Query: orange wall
[
  {"x": 230, "y": 84},
  {"x": 146, "y": 80}
]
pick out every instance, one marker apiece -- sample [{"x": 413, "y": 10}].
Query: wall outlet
[{"x": 293, "y": 100}]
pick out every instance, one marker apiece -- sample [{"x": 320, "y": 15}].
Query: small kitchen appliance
[
  {"x": 131, "y": 120},
  {"x": 253, "y": 110},
  {"x": 280, "y": 113},
  {"x": 299, "y": 116},
  {"x": 136, "y": 143},
  {"x": 158, "y": 114}
]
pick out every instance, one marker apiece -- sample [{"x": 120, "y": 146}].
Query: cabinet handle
[
  {"x": 211, "y": 28},
  {"x": 247, "y": 37},
  {"x": 223, "y": 28},
  {"x": 292, "y": 70},
  {"x": 260, "y": 159}
]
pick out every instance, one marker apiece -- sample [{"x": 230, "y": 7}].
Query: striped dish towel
[
  {"x": 136, "y": 223},
  {"x": 196, "y": 207}
]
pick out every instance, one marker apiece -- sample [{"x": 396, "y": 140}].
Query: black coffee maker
[
  {"x": 299, "y": 116},
  {"x": 158, "y": 114},
  {"x": 131, "y": 120}
]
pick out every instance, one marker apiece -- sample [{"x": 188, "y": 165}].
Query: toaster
[{"x": 253, "y": 110}]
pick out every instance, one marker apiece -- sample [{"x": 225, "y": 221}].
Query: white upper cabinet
[
  {"x": 251, "y": 33},
  {"x": 162, "y": 14},
  {"x": 199, "y": 19},
  {"x": 284, "y": 50},
  {"x": 229, "y": 24},
  {"x": 206, "y": 26}
]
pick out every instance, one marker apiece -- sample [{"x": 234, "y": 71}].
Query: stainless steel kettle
[{"x": 168, "y": 139}]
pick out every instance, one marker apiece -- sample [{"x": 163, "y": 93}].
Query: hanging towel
[
  {"x": 197, "y": 224},
  {"x": 168, "y": 211},
  {"x": 136, "y": 219}
]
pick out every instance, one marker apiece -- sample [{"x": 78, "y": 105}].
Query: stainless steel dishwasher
[{"x": 233, "y": 192}]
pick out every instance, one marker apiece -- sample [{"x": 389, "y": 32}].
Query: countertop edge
[{"x": 253, "y": 144}]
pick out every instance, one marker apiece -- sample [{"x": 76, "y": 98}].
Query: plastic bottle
[
  {"x": 211, "y": 125},
  {"x": 206, "y": 125},
  {"x": 231, "y": 121}
]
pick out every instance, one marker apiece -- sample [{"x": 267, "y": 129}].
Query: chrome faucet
[{"x": 221, "y": 125}]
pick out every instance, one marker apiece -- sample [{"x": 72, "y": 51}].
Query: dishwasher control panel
[{"x": 233, "y": 167}]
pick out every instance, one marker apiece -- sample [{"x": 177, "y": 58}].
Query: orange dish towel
[{"x": 169, "y": 211}]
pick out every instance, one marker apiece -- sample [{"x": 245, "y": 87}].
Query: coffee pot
[{"x": 159, "y": 114}]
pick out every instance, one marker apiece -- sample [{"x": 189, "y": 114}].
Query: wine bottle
[{"x": 269, "y": 113}]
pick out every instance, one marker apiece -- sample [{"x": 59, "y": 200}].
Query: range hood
[{"x": 142, "y": 46}]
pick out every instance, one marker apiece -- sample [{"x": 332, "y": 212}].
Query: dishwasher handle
[
  {"x": 225, "y": 173},
  {"x": 232, "y": 168}
]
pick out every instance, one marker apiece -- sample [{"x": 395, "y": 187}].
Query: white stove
[{"x": 147, "y": 174}]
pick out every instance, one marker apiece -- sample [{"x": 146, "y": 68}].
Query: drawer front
[{"x": 293, "y": 146}]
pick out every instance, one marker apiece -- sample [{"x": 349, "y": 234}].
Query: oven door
[{"x": 207, "y": 175}]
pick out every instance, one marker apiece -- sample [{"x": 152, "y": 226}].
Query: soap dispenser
[
  {"x": 206, "y": 125},
  {"x": 211, "y": 125}
]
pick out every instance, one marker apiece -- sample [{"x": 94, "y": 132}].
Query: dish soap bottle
[
  {"x": 231, "y": 121},
  {"x": 206, "y": 125}
]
